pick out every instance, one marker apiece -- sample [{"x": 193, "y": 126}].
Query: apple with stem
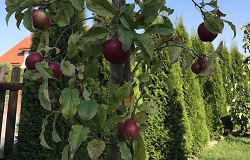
[
  {"x": 113, "y": 52},
  {"x": 128, "y": 130},
  {"x": 32, "y": 59},
  {"x": 40, "y": 20},
  {"x": 204, "y": 34}
]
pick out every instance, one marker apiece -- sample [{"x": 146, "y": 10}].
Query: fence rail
[{"x": 13, "y": 87}]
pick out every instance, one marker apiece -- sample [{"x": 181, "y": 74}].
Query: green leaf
[
  {"x": 146, "y": 45},
  {"x": 87, "y": 109},
  {"x": 69, "y": 99},
  {"x": 72, "y": 49},
  {"x": 11, "y": 7},
  {"x": 127, "y": 21},
  {"x": 174, "y": 53},
  {"x": 212, "y": 3},
  {"x": 95, "y": 33},
  {"x": 217, "y": 53},
  {"x": 77, "y": 135},
  {"x": 126, "y": 37},
  {"x": 91, "y": 69},
  {"x": 78, "y": 4},
  {"x": 144, "y": 77},
  {"x": 101, "y": 116},
  {"x": 65, "y": 153},
  {"x": 141, "y": 117},
  {"x": 149, "y": 12},
  {"x": 100, "y": 7},
  {"x": 123, "y": 91},
  {"x": 139, "y": 149},
  {"x": 63, "y": 14},
  {"x": 55, "y": 135},
  {"x": 43, "y": 95},
  {"x": 41, "y": 136},
  {"x": 68, "y": 68},
  {"x": 149, "y": 107},
  {"x": 128, "y": 8},
  {"x": 27, "y": 20},
  {"x": 213, "y": 23},
  {"x": 232, "y": 26},
  {"x": 188, "y": 61},
  {"x": 44, "y": 69},
  {"x": 19, "y": 17},
  {"x": 161, "y": 29},
  {"x": 125, "y": 151},
  {"x": 112, "y": 87},
  {"x": 95, "y": 148}
]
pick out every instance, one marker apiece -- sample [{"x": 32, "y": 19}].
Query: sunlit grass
[{"x": 231, "y": 148}]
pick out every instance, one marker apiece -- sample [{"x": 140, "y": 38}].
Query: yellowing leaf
[{"x": 128, "y": 100}]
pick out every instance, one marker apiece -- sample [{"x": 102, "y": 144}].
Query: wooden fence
[{"x": 10, "y": 90}]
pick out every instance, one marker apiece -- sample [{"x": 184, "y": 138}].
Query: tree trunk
[{"x": 119, "y": 74}]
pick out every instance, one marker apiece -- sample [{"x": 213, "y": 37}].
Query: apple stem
[{"x": 132, "y": 149}]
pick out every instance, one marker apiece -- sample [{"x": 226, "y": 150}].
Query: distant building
[{"x": 17, "y": 54}]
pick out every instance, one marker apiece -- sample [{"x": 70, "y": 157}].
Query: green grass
[{"x": 231, "y": 148}]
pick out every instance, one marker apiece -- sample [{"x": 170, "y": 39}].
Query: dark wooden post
[{"x": 11, "y": 115}]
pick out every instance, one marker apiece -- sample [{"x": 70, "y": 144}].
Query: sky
[{"x": 237, "y": 12}]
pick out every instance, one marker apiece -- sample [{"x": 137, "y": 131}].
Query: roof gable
[{"x": 12, "y": 56}]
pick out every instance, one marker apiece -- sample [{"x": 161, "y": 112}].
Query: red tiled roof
[{"x": 12, "y": 55}]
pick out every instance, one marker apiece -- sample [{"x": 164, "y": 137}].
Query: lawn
[{"x": 231, "y": 148}]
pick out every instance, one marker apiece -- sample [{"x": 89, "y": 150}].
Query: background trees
[{"x": 93, "y": 107}]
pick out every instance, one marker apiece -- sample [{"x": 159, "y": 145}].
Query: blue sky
[{"x": 237, "y": 11}]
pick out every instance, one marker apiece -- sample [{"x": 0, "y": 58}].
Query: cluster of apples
[
  {"x": 200, "y": 65},
  {"x": 128, "y": 130},
  {"x": 36, "y": 57},
  {"x": 41, "y": 21}
]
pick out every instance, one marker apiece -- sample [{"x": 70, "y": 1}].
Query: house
[{"x": 16, "y": 55}]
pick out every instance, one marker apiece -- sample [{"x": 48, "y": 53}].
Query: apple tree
[{"x": 130, "y": 42}]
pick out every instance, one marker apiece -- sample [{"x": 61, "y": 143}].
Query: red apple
[
  {"x": 113, "y": 52},
  {"x": 204, "y": 34},
  {"x": 196, "y": 67},
  {"x": 32, "y": 59},
  {"x": 203, "y": 63},
  {"x": 128, "y": 130},
  {"x": 56, "y": 69},
  {"x": 40, "y": 19}
]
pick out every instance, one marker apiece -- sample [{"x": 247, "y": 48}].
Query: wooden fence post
[
  {"x": 3, "y": 79},
  {"x": 11, "y": 114}
]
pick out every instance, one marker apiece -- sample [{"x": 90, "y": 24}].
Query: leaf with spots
[{"x": 95, "y": 148}]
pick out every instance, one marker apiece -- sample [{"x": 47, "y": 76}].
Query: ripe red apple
[
  {"x": 204, "y": 34},
  {"x": 196, "y": 67},
  {"x": 203, "y": 63},
  {"x": 32, "y": 59},
  {"x": 56, "y": 69},
  {"x": 113, "y": 52},
  {"x": 128, "y": 130},
  {"x": 40, "y": 19}
]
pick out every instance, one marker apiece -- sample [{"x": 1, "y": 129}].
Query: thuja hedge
[{"x": 169, "y": 134}]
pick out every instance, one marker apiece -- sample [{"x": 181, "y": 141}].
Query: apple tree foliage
[{"x": 95, "y": 122}]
